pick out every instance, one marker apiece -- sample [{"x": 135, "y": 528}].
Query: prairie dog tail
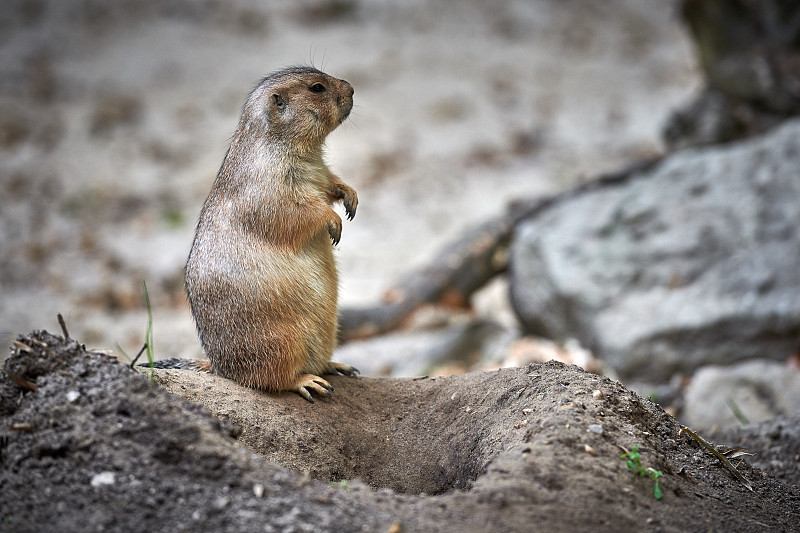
[{"x": 200, "y": 365}]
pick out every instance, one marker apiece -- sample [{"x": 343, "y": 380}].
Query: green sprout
[
  {"x": 634, "y": 463},
  {"x": 148, "y": 335},
  {"x": 148, "y": 339}
]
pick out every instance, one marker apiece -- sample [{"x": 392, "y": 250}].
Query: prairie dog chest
[{"x": 309, "y": 180}]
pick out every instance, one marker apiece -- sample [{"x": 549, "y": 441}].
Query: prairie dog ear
[{"x": 278, "y": 101}]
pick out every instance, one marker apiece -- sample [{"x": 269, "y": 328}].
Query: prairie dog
[{"x": 261, "y": 276}]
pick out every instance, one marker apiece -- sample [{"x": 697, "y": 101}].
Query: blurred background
[{"x": 115, "y": 116}]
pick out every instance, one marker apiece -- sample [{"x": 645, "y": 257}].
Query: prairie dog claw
[
  {"x": 343, "y": 369},
  {"x": 349, "y": 198},
  {"x": 307, "y": 383},
  {"x": 335, "y": 229}
]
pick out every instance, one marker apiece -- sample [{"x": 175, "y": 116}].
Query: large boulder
[{"x": 694, "y": 261}]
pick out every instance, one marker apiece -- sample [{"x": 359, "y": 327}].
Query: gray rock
[
  {"x": 747, "y": 393},
  {"x": 694, "y": 262}
]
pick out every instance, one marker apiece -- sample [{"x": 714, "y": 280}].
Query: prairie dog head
[{"x": 298, "y": 107}]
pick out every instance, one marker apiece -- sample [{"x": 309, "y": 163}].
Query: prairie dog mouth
[{"x": 344, "y": 110}]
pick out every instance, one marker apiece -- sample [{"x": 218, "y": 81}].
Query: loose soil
[{"x": 89, "y": 444}]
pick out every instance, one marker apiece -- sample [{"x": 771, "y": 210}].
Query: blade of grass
[
  {"x": 724, "y": 460},
  {"x": 123, "y": 352},
  {"x": 148, "y": 335},
  {"x": 736, "y": 411}
]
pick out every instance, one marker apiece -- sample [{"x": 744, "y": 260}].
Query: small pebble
[
  {"x": 597, "y": 393},
  {"x": 103, "y": 478},
  {"x": 220, "y": 503},
  {"x": 596, "y": 428}
]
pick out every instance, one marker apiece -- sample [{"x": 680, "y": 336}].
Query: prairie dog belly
[{"x": 299, "y": 286}]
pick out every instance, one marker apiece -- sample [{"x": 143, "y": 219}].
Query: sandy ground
[
  {"x": 114, "y": 118},
  {"x": 96, "y": 447}
]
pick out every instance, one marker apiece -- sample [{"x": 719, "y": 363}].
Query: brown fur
[{"x": 261, "y": 276}]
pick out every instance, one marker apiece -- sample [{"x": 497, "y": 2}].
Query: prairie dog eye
[{"x": 317, "y": 88}]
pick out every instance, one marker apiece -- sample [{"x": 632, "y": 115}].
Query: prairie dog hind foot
[{"x": 308, "y": 383}]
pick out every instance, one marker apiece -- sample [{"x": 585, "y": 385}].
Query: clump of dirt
[
  {"x": 98, "y": 447},
  {"x": 90, "y": 444}
]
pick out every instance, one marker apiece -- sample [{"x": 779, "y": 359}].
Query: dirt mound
[{"x": 90, "y": 444}]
